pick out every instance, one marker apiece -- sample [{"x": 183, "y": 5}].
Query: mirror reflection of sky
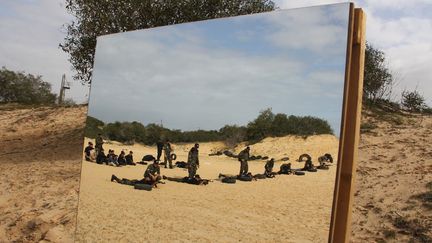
[{"x": 207, "y": 74}]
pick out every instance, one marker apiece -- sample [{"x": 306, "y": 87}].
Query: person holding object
[
  {"x": 243, "y": 157},
  {"x": 193, "y": 161}
]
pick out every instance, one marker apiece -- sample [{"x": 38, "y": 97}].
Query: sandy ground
[
  {"x": 395, "y": 164},
  {"x": 40, "y": 162},
  {"x": 286, "y": 208}
]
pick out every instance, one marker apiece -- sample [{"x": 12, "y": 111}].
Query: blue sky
[
  {"x": 30, "y": 32},
  {"x": 205, "y": 75}
]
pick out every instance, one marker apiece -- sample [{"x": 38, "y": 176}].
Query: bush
[
  {"x": 93, "y": 127},
  {"x": 378, "y": 81},
  {"x": 22, "y": 88},
  {"x": 233, "y": 134},
  {"x": 413, "y": 101},
  {"x": 265, "y": 125}
]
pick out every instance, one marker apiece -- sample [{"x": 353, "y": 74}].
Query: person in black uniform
[{"x": 159, "y": 146}]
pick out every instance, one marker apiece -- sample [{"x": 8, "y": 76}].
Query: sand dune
[
  {"x": 40, "y": 160},
  {"x": 287, "y": 208},
  {"x": 39, "y": 193},
  {"x": 395, "y": 164}
]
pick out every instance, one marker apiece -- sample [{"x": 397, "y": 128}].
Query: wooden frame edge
[{"x": 340, "y": 225}]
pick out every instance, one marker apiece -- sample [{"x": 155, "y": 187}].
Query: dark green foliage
[
  {"x": 18, "y": 87},
  {"x": 129, "y": 132},
  {"x": 265, "y": 125},
  {"x": 93, "y": 127},
  {"x": 155, "y": 132},
  {"x": 233, "y": 134},
  {"x": 378, "y": 81},
  {"x": 261, "y": 127},
  {"x": 100, "y": 17},
  {"x": 413, "y": 101}
]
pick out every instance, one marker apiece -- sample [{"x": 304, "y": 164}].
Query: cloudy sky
[
  {"x": 211, "y": 73},
  {"x": 30, "y": 31}
]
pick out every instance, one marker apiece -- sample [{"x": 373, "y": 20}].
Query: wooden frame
[{"x": 340, "y": 225}]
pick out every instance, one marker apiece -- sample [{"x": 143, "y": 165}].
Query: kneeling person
[
  {"x": 268, "y": 169},
  {"x": 151, "y": 176}
]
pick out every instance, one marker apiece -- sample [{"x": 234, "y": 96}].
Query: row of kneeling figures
[{"x": 152, "y": 175}]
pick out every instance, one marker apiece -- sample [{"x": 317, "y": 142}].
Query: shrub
[{"x": 24, "y": 88}]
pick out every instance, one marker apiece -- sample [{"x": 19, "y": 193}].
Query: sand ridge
[
  {"x": 40, "y": 162},
  {"x": 395, "y": 164}
]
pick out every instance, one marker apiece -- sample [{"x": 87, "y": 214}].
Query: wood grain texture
[{"x": 340, "y": 227}]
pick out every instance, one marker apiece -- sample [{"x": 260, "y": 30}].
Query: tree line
[{"x": 266, "y": 124}]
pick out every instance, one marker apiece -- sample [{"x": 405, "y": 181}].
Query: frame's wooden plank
[{"x": 340, "y": 229}]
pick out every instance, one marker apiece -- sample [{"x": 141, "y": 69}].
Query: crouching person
[
  {"x": 151, "y": 176},
  {"x": 268, "y": 169}
]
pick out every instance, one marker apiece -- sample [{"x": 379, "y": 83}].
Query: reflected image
[{"x": 220, "y": 130}]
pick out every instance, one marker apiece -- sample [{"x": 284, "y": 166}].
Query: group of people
[
  {"x": 166, "y": 148},
  {"x": 98, "y": 155},
  {"x": 152, "y": 175}
]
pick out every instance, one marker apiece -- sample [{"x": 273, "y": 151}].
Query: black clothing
[
  {"x": 87, "y": 150},
  {"x": 101, "y": 158},
  {"x": 121, "y": 160},
  {"x": 159, "y": 149},
  {"x": 129, "y": 159}
]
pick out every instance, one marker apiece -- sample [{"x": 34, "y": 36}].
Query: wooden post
[{"x": 340, "y": 227}]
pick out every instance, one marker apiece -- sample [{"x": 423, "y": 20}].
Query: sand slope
[
  {"x": 395, "y": 164},
  {"x": 39, "y": 194},
  {"x": 40, "y": 153},
  {"x": 286, "y": 208}
]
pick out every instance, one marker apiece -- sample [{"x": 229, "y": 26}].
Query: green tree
[
  {"x": 100, "y": 17},
  {"x": 24, "y": 88},
  {"x": 233, "y": 134},
  {"x": 378, "y": 81},
  {"x": 155, "y": 133},
  {"x": 280, "y": 125},
  {"x": 93, "y": 127},
  {"x": 261, "y": 126},
  {"x": 413, "y": 101}
]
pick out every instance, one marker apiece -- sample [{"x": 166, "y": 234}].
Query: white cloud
[
  {"x": 403, "y": 30},
  {"x": 314, "y": 29},
  {"x": 216, "y": 85},
  {"x": 30, "y": 32}
]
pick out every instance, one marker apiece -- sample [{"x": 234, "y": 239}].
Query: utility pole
[{"x": 64, "y": 86}]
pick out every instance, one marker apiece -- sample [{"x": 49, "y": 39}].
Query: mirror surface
[{"x": 272, "y": 81}]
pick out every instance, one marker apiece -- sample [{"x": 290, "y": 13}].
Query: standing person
[
  {"x": 99, "y": 143},
  {"x": 243, "y": 157},
  {"x": 159, "y": 146},
  {"x": 167, "y": 155},
  {"x": 193, "y": 161}
]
